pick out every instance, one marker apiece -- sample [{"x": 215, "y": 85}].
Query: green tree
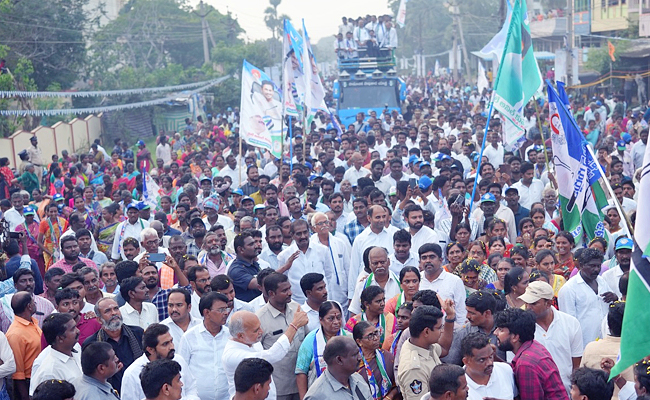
[{"x": 49, "y": 34}]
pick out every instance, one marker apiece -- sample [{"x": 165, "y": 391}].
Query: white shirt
[
  {"x": 353, "y": 174},
  {"x": 494, "y": 156},
  {"x": 123, "y": 231},
  {"x": 364, "y": 240},
  {"x": 257, "y": 303},
  {"x": 52, "y": 364},
  {"x": 500, "y": 386},
  {"x": 391, "y": 290},
  {"x": 14, "y": 218},
  {"x": 576, "y": 298},
  {"x": 148, "y": 316},
  {"x": 314, "y": 321},
  {"x": 235, "y": 352},
  {"x": 423, "y": 236},
  {"x": 132, "y": 389},
  {"x": 529, "y": 194},
  {"x": 612, "y": 276},
  {"x": 270, "y": 257},
  {"x": 502, "y": 212},
  {"x": 448, "y": 286},
  {"x": 233, "y": 174},
  {"x": 164, "y": 152},
  {"x": 238, "y": 305},
  {"x": 339, "y": 253},
  {"x": 7, "y": 356},
  {"x": 396, "y": 266},
  {"x": 176, "y": 331},
  {"x": 315, "y": 259},
  {"x": 202, "y": 351},
  {"x": 194, "y": 311},
  {"x": 563, "y": 340}
]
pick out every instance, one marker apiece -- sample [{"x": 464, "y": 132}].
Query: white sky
[{"x": 322, "y": 18}]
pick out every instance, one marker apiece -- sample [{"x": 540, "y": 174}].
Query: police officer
[{"x": 429, "y": 341}]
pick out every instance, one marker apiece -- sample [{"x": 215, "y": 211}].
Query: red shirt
[
  {"x": 536, "y": 374},
  {"x": 87, "y": 326}
]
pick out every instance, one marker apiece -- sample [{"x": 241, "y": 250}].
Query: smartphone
[
  {"x": 412, "y": 183},
  {"x": 157, "y": 257},
  {"x": 505, "y": 169},
  {"x": 14, "y": 235}
]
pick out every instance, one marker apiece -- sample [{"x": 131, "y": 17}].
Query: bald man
[
  {"x": 246, "y": 331},
  {"x": 357, "y": 171},
  {"x": 375, "y": 234}
]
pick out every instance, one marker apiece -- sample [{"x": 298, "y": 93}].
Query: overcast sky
[{"x": 322, "y": 18}]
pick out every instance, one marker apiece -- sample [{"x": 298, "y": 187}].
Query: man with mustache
[
  {"x": 63, "y": 358},
  {"x": 179, "y": 321},
  {"x": 158, "y": 344},
  {"x": 23, "y": 280},
  {"x": 485, "y": 377},
  {"x": 159, "y": 297},
  {"x": 213, "y": 255},
  {"x": 376, "y": 272},
  {"x": 275, "y": 245},
  {"x": 126, "y": 340},
  {"x": 445, "y": 284},
  {"x": 303, "y": 257},
  {"x": 199, "y": 278}
]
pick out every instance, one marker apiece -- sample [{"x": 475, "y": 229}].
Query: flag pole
[
  {"x": 241, "y": 157},
  {"x": 290, "y": 147},
  {"x": 539, "y": 126},
  {"x": 619, "y": 208},
  {"x": 487, "y": 123}
]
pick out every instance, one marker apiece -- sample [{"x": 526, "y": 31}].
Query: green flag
[{"x": 518, "y": 78}]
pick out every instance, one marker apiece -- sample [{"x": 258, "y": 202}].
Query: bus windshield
[{"x": 368, "y": 97}]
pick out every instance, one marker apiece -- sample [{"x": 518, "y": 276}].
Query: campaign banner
[{"x": 261, "y": 110}]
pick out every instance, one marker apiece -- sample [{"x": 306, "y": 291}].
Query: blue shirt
[
  {"x": 13, "y": 264},
  {"x": 242, "y": 272},
  {"x": 172, "y": 232}
]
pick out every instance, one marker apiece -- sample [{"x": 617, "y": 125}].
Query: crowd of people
[
  {"x": 367, "y": 36},
  {"x": 362, "y": 265}
]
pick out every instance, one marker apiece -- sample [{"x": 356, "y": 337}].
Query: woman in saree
[
  {"x": 105, "y": 229},
  {"x": 49, "y": 233},
  {"x": 310, "y": 363}
]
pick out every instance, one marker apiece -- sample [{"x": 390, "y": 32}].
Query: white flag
[
  {"x": 482, "y": 81},
  {"x": 401, "y": 13}
]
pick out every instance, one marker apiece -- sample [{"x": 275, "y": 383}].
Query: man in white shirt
[
  {"x": 158, "y": 344},
  {"x": 63, "y": 361},
  {"x": 14, "y": 216},
  {"x": 315, "y": 290},
  {"x": 137, "y": 311},
  {"x": 420, "y": 234},
  {"x": 559, "y": 332},
  {"x": 357, "y": 171},
  {"x": 445, "y": 284},
  {"x": 245, "y": 343},
  {"x": 485, "y": 377},
  {"x": 350, "y": 47},
  {"x": 586, "y": 296},
  {"x": 623, "y": 255},
  {"x": 530, "y": 189},
  {"x": 380, "y": 275},
  {"x": 179, "y": 303},
  {"x": 202, "y": 347},
  {"x": 494, "y": 150},
  {"x": 199, "y": 278},
  {"x": 303, "y": 257},
  {"x": 374, "y": 235},
  {"x": 132, "y": 227},
  {"x": 164, "y": 150},
  {"x": 403, "y": 256},
  {"x": 231, "y": 170}
]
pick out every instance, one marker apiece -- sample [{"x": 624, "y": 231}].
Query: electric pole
[
  {"x": 570, "y": 44},
  {"x": 204, "y": 28}
]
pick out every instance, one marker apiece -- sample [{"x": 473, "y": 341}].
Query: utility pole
[
  {"x": 454, "y": 46},
  {"x": 204, "y": 28},
  {"x": 570, "y": 43},
  {"x": 459, "y": 26}
]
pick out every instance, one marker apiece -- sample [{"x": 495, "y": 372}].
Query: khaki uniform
[{"x": 415, "y": 365}]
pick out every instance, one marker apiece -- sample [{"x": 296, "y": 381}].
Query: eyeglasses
[
  {"x": 223, "y": 310},
  {"x": 373, "y": 336},
  {"x": 322, "y": 223}
]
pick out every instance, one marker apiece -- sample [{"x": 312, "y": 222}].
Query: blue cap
[
  {"x": 626, "y": 137},
  {"x": 425, "y": 182},
  {"x": 28, "y": 211},
  {"x": 621, "y": 144},
  {"x": 205, "y": 178},
  {"x": 143, "y": 206},
  {"x": 140, "y": 143},
  {"x": 488, "y": 197},
  {"x": 133, "y": 205},
  {"x": 425, "y": 163},
  {"x": 238, "y": 191},
  {"x": 247, "y": 198},
  {"x": 413, "y": 159},
  {"x": 308, "y": 165},
  {"x": 624, "y": 243},
  {"x": 57, "y": 197},
  {"x": 229, "y": 109}
]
